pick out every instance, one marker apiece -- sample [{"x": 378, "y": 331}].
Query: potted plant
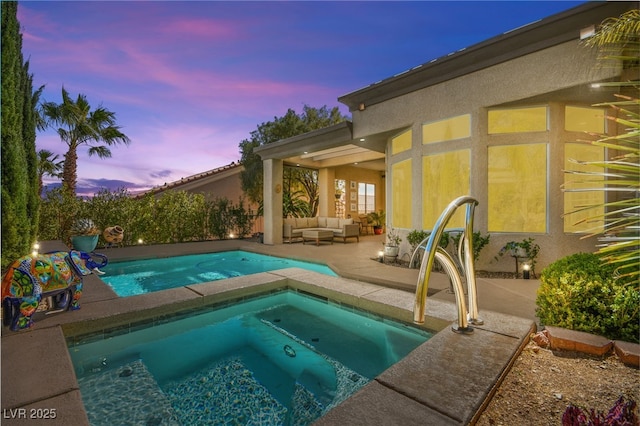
[
  {"x": 377, "y": 219},
  {"x": 392, "y": 245},
  {"x": 525, "y": 249},
  {"x": 84, "y": 235}
]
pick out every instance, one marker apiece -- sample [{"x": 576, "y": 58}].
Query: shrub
[
  {"x": 415, "y": 237},
  {"x": 479, "y": 242},
  {"x": 621, "y": 414},
  {"x": 174, "y": 216},
  {"x": 579, "y": 292}
]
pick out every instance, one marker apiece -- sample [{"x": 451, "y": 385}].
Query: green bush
[
  {"x": 579, "y": 292},
  {"x": 479, "y": 242},
  {"x": 415, "y": 237},
  {"x": 173, "y": 217}
]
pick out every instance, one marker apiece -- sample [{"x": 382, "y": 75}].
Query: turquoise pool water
[
  {"x": 144, "y": 276},
  {"x": 281, "y": 359}
]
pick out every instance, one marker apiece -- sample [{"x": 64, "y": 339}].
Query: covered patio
[{"x": 336, "y": 155}]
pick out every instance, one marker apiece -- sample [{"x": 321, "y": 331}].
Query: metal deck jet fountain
[{"x": 432, "y": 251}]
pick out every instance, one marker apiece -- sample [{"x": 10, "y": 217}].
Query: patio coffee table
[{"x": 317, "y": 235}]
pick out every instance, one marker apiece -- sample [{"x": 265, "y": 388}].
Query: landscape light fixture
[
  {"x": 525, "y": 271},
  {"x": 381, "y": 256}
]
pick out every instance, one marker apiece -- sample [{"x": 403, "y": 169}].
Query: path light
[
  {"x": 525, "y": 271},
  {"x": 231, "y": 236},
  {"x": 381, "y": 256},
  {"x": 36, "y": 247},
  {"x": 140, "y": 241}
]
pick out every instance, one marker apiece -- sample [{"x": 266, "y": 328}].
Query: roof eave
[
  {"x": 327, "y": 137},
  {"x": 548, "y": 32}
]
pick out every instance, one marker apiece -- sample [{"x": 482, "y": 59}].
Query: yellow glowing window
[
  {"x": 578, "y": 119},
  {"x": 446, "y": 130},
  {"x": 401, "y": 142},
  {"x": 515, "y": 120},
  {"x": 445, "y": 177},
  {"x": 401, "y": 195},
  {"x": 577, "y": 214},
  {"x": 517, "y": 190}
]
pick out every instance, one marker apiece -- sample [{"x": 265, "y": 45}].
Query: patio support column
[
  {"x": 272, "y": 195},
  {"x": 326, "y": 201}
]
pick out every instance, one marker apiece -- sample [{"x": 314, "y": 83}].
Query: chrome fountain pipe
[
  {"x": 448, "y": 264},
  {"x": 416, "y": 250},
  {"x": 469, "y": 267}
]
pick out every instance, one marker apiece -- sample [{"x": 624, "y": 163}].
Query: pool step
[{"x": 128, "y": 392}]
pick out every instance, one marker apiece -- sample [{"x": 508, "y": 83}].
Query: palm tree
[
  {"x": 48, "y": 165},
  {"x": 77, "y": 125}
]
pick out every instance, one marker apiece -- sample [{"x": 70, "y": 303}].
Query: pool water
[
  {"x": 144, "y": 276},
  {"x": 281, "y": 359}
]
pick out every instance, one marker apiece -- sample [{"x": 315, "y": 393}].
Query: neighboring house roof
[
  {"x": 197, "y": 180},
  {"x": 539, "y": 35}
]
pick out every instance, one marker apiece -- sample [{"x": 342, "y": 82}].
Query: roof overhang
[
  {"x": 331, "y": 146},
  {"x": 539, "y": 35},
  {"x": 321, "y": 139}
]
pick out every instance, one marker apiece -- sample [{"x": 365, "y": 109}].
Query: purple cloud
[{"x": 189, "y": 81}]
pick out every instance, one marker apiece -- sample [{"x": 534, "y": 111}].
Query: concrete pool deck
[{"x": 447, "y": 380}]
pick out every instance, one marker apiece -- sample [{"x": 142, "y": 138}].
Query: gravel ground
[{"x": 541, "y": 385}]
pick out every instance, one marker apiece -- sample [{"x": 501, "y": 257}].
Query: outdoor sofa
[{"x": 341, "y": 228}]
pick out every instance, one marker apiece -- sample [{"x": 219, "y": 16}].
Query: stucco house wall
[
  {"x": 542, "y": 66},
  {"x": 550, "y": 77}
]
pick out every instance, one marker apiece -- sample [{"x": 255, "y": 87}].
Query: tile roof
[{"x": 190, "y": 179}]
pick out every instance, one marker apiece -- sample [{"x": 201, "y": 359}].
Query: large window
[
  {"x": 401, "y": 143},
  {"x": 517, "y": 191},
  {"x": 514, "y": 120},
  {"x": 576, "y": 201},
  {"x": 580, "y": 119},
  {"x": 446, "y": 130},
  {"x": 366, "y": 198},
  {"x": 401, "y": 194},
  {"x": 445, "y": 178}
]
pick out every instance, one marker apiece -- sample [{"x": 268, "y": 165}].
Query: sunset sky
[{"x": 189, "y": 80}]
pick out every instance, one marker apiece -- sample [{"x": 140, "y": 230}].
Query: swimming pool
[
  {"x": 129, "y": 278},
  {"x": 280, "y": 359}
]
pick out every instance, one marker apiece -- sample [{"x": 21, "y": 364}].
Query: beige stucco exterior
[
  {"x": 543, "y": 64},
  {"x": 527, "y": 81}
]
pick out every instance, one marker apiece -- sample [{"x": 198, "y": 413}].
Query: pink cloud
[{"x": 207, "y": 29}]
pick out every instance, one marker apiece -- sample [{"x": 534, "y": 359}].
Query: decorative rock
[{"x": 541, "y": 339}]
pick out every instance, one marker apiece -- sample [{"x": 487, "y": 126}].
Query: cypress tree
[
  {"x": 18, "y": 164},
  {"x": 31, "y": 156}
]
